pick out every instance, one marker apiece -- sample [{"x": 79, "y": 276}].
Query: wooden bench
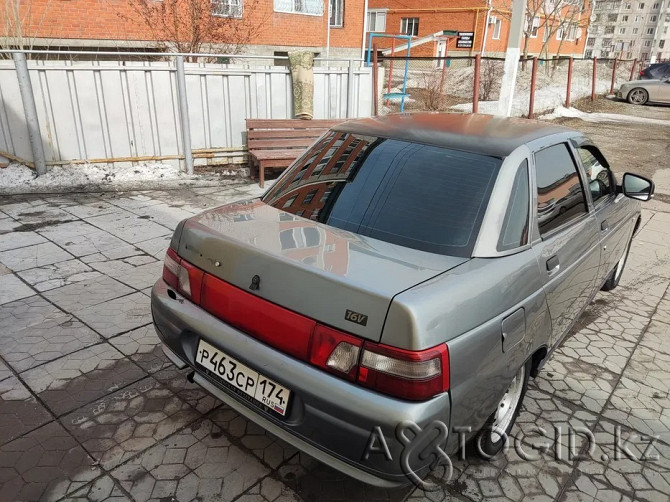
[{"x": 276, "y": 143}]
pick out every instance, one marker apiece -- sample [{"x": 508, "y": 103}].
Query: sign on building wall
[{"x": 465, "y": 40}]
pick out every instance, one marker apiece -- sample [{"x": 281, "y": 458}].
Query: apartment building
[
  {"x": 629, "y": 29},
  {"x": 333, "y": 27}
]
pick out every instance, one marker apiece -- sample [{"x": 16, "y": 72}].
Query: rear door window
[
  {"x": 560, "y": 195},
  {"x": 419, "y": 196}
]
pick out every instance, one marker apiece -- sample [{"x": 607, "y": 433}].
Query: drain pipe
[
  {"x": 365, "y": 30},
  {"x": 486, "y": 26}
]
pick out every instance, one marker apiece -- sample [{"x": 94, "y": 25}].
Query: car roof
[{"x": 476, "y": 133}]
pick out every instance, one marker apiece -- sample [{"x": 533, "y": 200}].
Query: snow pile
[
  {"x": 563, "y": 112},
  {"x": 18, "y": 177}
]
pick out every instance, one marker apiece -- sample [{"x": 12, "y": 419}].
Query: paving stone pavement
[{"x": 91, "y": 409}]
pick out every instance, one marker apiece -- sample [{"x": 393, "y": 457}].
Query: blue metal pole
[
  {"x": 404, "y": 82},
  {"x": 367, "y": 58}
]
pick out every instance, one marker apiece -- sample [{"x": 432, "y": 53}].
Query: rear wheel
[
  {"x": 615, "y": 276},
  {"x": 495, "y": 433},
  {"x": 638, "y": 96}
]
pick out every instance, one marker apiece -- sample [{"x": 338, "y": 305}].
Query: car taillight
[
  {"x": 335, "y": 351},
  {"x": 407, "y": 374},
  {"x": 171, "y": 268},
  {"x": 182, "y": 276}
]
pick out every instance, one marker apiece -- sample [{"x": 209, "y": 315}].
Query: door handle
[
  {"x": 604, "y": 226},
  {"x": 553, "y": 265}
]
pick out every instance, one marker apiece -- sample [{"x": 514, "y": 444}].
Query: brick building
[
  {"x": 280, "y": 25},
  {"x": 556, "y": 28}
]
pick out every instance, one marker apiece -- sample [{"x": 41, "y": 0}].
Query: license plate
[{"x": 244, "y": 379}]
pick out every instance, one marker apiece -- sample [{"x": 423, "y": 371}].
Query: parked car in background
[
  {"x": 655, "y": 71},
  {"x": 404, "y": 268},
  {"x": 640, "y": 92}
]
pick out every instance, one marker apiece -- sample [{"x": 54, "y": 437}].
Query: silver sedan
[
  {"x": 640, "y": 92},
  {"x": 399, "y": 284}
]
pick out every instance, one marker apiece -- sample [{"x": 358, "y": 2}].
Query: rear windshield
[{"x": 419, "y": 196}]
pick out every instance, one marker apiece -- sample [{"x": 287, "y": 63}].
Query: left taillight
[{"x": 182, "y": 276}]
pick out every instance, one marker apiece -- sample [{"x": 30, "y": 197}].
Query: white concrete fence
[{"x": 121, "y": 111}]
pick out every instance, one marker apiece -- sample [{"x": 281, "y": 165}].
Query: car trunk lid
[{"x": 335, "y": 277}]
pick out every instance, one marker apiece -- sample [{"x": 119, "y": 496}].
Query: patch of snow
[
  {"x": 20, "y": 178},
  {"x": 561, "y": 111}
]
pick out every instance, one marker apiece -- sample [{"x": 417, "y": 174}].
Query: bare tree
[
  {"x": 548, "y": 16},
  {"x": 20, "y": 23},
  {"x": 489, "y": 81},
  {"x": 217, "y": 26}
]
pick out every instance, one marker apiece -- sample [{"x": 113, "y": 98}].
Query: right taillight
[{"x": 407, "y": 374}]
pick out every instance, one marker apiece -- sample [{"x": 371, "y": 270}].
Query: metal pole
[
  {"x": 404, "y": 79},
  {"x": 593, "y": 80},
  {"x": 390, "y": 68},
  {"x": 613, "y": 76},
  {"x": 375, "y": 89},
  {"x": 30, "y": 111},
  {"x": 567, "y": 93},
  {"x": 512, "y": 58},
  {"x": 533, "y": 81},
  {"x": 632, "y": 70},
  {"x": 475, "y": 89},
  {"x": 183, "y": 115},
  {"x": 350, "y": 89}
]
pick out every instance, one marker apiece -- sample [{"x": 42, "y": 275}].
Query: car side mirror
[{"x": 637, "y": 187}]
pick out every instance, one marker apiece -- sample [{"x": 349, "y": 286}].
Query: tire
[
  {"x": 615, "y": 276},
  {"x": 638, "y": 96},
  {"x": 488, "y": 442}
]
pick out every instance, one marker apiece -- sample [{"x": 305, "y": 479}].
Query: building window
[
  {"x": 657, "y": 5},
  {"x": 559, "y": 33},
  {"x": 588, "y": 54},
  {"x": 377, "y": 20},
  {"x": 571, "y": 32},
  {"x": 647, "y": 43},
  {"x": 624, "y": 19},
  {"x": 635, "y": 31},
  {"x": 661, "y": 44},
  {"x": 650, "y": 31},
  {"x": 638, "y": 19},
  {"x": 628, "y": 6},
  {"x": 591, "y": 42},
  {"x": 497, "y": 26},
  {"x": 622, "y": 31},
  {"x": 652, "y": 19},
  {"x": 310, "y": 7},
  {"x": 640, "y": 5},
  {"x": 535, "y": 27},
  {"x": 409, "y": 26},
  {"x": 227, "y": 8},
  {"x": 336, "y": 13},
  {"x": 609, "y": 30},
  {"x": 308, "y": 198},
  {"x": 607, "y": 42},
  {"x": 611, "y": 18}
]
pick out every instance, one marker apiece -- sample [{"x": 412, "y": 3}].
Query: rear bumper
[{"x": 328, "y": 418}]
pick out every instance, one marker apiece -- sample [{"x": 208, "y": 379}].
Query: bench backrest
[{"x": 273, "y": 134}]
